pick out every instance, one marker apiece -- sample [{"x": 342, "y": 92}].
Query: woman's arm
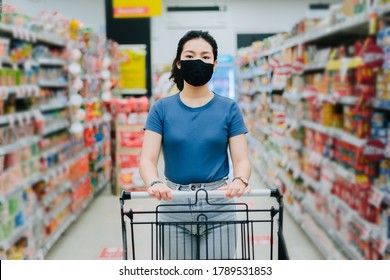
[
  {"x": 151, "y": 148},
  {"x": 241, "y": 165}
]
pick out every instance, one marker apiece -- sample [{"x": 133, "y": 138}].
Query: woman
[{"x": 196, "y": 129}]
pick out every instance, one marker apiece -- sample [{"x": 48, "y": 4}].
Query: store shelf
[
  {"x": 295, "y": 214},
  {"x": 53, "y": 238},
  {"x": 33, "y": 179},
  {"x": 48, "y": 198},
  {"x": 343, "y": 244},
  {"x": 21, "y": 117},
  {"x": 52, "y": 84},
  {"x": 55, "y": 104},
  {"x": 325, "y": 251},
  {"x": 16, "y": 235},
  {"x": 102, "y": 162},
  {"x": 102, "y": 185},
  {"x": 321, "y": 32},
  {"x": 336, "y": 133},
  {"x": 20, "y": 91},
  {"x": 381, "y": 104},
  {"x": 57, "y": 210},
  {"x": 31, "y": 36},
  {"x": 51, "y": 90},
  {"x": 345, "y": 100},
  {"x": 53, "y": 171},
  {"x": 21, "y": 143},
  {"x": 131, "y": 92},
  {"x": 313, "y": 67},
  {"x": 55, "y": 127},
  {"x": 51, "y": 61},
  {"x": 56, "y": 149}
]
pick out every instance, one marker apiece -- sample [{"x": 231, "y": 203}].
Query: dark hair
[{"x": 193, "y": 34}]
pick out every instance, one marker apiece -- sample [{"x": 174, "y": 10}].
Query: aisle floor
[{"x": 96, "y": 235}]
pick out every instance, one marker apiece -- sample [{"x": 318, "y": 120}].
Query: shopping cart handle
[{"x": 200, "y": 194}]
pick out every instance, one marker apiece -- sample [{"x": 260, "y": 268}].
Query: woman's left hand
[{"x": 235, "y": 189}]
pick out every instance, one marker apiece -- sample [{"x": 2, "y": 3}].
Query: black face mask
[{"x": 196, "y": 72}]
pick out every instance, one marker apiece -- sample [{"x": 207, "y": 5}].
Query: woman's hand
[
  {"x": 160, "y": 191},
  {"x": 235, "y": 189}
]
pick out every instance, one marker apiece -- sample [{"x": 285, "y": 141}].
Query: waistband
[{"x": 195, "y": 186}]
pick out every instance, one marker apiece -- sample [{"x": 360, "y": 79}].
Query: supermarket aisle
[{"x": 97, "y": 233}]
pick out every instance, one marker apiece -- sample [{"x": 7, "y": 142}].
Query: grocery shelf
[
  {"x": 380, "y": 104},
  {"x": 55, "y": 127},
  {"x": 51, "y": 61},
  {"x": 298, "y": 217},
  {"x": 57, "y": 210},
  {"x": 48, "y": 198},
  {"x": 17, "y": 233},
  {"x": 52, "y": 84},
  {"x": 56, "y": 149},
  {"x": 53, "y": 238},
  {"x": 100, "y": 163},
  {"x": 55, "y": 104},
  {"x": 336, "y": 133},
  {"x": 21, "y": 117},
  {"x": 320, "y": 33},
  {"x": 21, "y": 143},
  {"x": 33, "y": 179},
  {"x": 333, "y": 234},
  {"x": 20, "y": 90},
  {"x": 325, "y": 251},
  {"x": 312, "y": 67}
]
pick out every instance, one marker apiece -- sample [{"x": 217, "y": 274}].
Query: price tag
[
  {"x": 296, "y": 173},
  {"x": 19, "y": 118},
  {"x": 365, "y": 233},
  {"x": 11, "y": 120},
  {"x": 284, "y": 161},
  {"x": 33, "y": 37},
  {"x": 28, "y": 117},
  {"x": 15, "y": 31},
  {"x": 384, "y": 243},
  {"x": 376, "y": 197}
]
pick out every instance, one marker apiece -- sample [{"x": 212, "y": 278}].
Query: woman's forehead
[{"x": 198, "y": 45}]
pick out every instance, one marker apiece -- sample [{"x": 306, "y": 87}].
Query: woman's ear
[
  {"x": 215, "y": 64},
  {"x": 178, "y": 64}
]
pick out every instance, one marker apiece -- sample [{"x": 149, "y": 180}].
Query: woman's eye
[
  {"x": 189, "y": 56},
  {"x": 206, "y": 57}
]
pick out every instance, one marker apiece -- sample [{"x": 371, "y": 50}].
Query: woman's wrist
[
  {"x": 242, "y": 180},
  {"x": 155, "y": 182}
]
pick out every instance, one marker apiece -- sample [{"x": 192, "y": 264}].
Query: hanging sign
[
  {"x": 136, "y": 8},
  {"x": 133, "y": 68}
]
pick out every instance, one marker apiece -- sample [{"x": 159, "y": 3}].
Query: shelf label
[
  {"x": 376, "y": 197},
  {"x": 384, "y": 243}
]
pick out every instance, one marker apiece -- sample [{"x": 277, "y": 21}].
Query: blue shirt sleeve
[
  {"x": 154, "y": 121},
  {"x": 237, "y": 124}
]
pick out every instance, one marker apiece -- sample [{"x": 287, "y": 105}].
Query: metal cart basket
[{"x": 209, "y": 238}]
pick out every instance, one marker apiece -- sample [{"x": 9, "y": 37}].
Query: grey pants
[{"x": 195, "y": 231}]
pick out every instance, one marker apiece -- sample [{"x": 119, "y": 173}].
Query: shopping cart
[{"x": 157, "y": 237}]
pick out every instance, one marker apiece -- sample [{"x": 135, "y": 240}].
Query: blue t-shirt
[{"x": 195, "y": 140}]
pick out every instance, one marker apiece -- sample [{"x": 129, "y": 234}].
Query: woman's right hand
[{"x": 160, "y": 191}]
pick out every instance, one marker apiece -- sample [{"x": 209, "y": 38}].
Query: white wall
[{"x": 243, "y": 16}]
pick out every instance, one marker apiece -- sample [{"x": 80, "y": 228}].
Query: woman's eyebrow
[{"x": 190, "y": 51}]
